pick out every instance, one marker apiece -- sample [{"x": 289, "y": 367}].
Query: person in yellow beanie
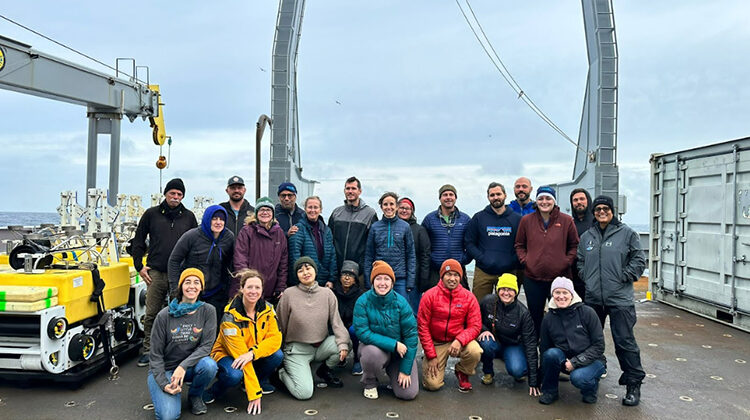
[
  {"x": 508, "y": 334},
  {"x": 181, "y": 340}
]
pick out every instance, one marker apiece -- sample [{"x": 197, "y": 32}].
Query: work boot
[
  {"x": 463, "y": 381},
  {"x": 488, "y": 378},
  {"x": 324, "y": 373},
  {"x": 632, "y": 395},
  {"x": 197, "y": 406},
  {"x": 548, "y": 398}
]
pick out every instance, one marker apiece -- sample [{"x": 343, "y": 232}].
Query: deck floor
[{"x": 696, "y": 369}]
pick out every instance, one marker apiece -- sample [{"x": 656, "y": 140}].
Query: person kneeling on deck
[
  {"x": 181, "y": 340},
  {"x": 347, "y": 292},
  {"x": 307, "y": 312},
  {"x": 385, "y": 325},
  {"x": 249, "y": 343},
  {"x": 448, "y": 322},
  {"x": 508, "y": 334},
  {"x": 572, "y": 341}
]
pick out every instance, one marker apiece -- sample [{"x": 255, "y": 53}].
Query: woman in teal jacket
[
  {"x": 387, "y": 332},
  {"x": 314, "y": 239}
]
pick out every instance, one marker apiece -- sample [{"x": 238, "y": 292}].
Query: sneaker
[
  {"x": 143, "y": 360},
  {"x": 371, "y": 393},
  {"x": 208, "y": 397},
  {"x": 197, "y": 406},
  {"x": 589, "y": 398},
  {"x": 357, "y": 369},
  {"x": 488, "y": 379},
  {"x": 324, "y": 373},
  {"x": 604, "y": 375},
  {"x": 266, "y": 387},
  {"x": 548, "y": 398},
  {"x": 463, "y": 382},
  {"x": 632, "y": 395}
]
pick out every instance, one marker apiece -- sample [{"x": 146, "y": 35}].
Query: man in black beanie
[{"x": 163, "y": 225}]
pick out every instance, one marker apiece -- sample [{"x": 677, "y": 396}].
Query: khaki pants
[
  {"x": 156, "y": 299},
  {"x": 483, "y": 283},
  {"x": 469, "y": 356}
]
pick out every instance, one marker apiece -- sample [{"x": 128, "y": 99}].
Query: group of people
[{"x": 272, "y": 288}]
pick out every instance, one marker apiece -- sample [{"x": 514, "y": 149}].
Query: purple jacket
[{"x": 265, "y": 251}]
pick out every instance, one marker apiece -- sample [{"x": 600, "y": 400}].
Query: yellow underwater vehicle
[{"x": 67, "y": 305}]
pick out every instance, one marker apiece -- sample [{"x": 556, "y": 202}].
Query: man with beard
[
  {"x": 490, "y": 237},
  {"x": 446, "y": 227},
  {"x": 163, "y": 225},
  {"x": 523, "y": 204},
  {"x": 584, "y": 219},
  {"x": 287, "y": 212},
  {"x": 237, "y": 207}
]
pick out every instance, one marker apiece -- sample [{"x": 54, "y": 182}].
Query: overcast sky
[{"x": 420, "y": 103}]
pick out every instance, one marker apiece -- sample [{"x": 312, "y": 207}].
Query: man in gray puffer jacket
[{"x": 610, "y": 259}]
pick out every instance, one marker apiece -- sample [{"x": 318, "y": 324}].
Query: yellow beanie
[
  {"x": 507, "y": 280},
  {"x": 192, "y": 272}
]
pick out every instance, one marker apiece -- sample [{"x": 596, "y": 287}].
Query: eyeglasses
[
  {"x": 265, "y": 210},
  {"x": 602, "y": 209},
  {"x": 347, "y": 276},
  {"x": 287, "y": 195}
]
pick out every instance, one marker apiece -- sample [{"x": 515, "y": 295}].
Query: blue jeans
[
  {"x": 400, "y": 288},
  {"x": 514, "y": 357},
  {"x": 585, "y": 378},
  {"x": 230, "y": 377},
  {"x": 355, "y": 343},
  {"x": 168, "y": 406}
]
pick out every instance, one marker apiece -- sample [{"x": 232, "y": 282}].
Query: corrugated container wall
[{"x": 700, "y": 230}]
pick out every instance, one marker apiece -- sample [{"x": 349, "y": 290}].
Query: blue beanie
[
  {"x": 546, "y": 191},
  {"x": 287, "y": 186}
]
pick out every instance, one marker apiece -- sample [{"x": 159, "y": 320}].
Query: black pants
[
  {"x": 621, "y": 322},
  {"x": 219, "y": 302},
  {"x": 537, "y": 293}
]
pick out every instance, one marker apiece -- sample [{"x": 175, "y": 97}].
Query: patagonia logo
[
  {"x": 579, "y": 326},
  {"x": 512, "y": 325},
  {"x": 458, "y": 305},
  {"x": 499, "y": 230}
]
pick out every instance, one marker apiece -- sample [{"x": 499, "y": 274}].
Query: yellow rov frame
[{"x": 65, "y": 337}]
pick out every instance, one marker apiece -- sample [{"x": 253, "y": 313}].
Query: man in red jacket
[{"x": 448, "y": 321}]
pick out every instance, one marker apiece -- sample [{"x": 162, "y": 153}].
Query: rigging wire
[
  {"x": 66, "y": 47},
  {"x": 505, "y": 73}
]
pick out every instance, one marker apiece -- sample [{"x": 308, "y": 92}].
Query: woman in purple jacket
[{"x": 261, "y": 245}]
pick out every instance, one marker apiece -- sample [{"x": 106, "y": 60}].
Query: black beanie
[
  {"x": 175, "y": 184},
  {"x": 603, "y": 199},
  {"x": 305, "y": 260}
]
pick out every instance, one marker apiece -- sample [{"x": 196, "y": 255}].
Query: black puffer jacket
[
  {"x": 511, "y": 325},
  {"x": 423, "y": 249},
  {"x": 575, "y": 330}
]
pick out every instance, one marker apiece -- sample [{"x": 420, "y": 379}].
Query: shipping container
[{"x": 699, "y": 257}]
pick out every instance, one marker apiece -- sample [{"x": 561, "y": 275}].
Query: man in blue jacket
[
  {"x": 446, "y": 227},
  {"x": 489, "y": 238}
]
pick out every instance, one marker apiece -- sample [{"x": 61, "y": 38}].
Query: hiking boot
[
  {"x": 463, "y": 382},
  {"x": 357, "y": 369},
  {"x": 488, "y": 379},
  {"x": 143, "y": 360},
  {"x": 632, "y": 395},
  {"x": 589, "y": 398},
  {"x": 197, "y": 406},
  {"x": 548, "y": 398},
  {"x": 324, "y": 373}
]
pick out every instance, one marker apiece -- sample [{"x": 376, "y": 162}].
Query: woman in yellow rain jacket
[{"x": 248, "y": 344}]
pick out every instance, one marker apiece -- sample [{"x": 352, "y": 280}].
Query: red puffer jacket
[{"x": 445, "y": 315}]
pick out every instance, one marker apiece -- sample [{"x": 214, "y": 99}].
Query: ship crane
[{"x": 106, "y": 98}]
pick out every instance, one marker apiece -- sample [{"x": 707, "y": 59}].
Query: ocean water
[{"x": 11, "y": 218}]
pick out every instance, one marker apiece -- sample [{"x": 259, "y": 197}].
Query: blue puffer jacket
[
  {"x": 447, "y": 239},
  {"x": 303, "y": 243},
  {"x": 391, "y": 240},
  {"x": 384, "y": 320}
]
